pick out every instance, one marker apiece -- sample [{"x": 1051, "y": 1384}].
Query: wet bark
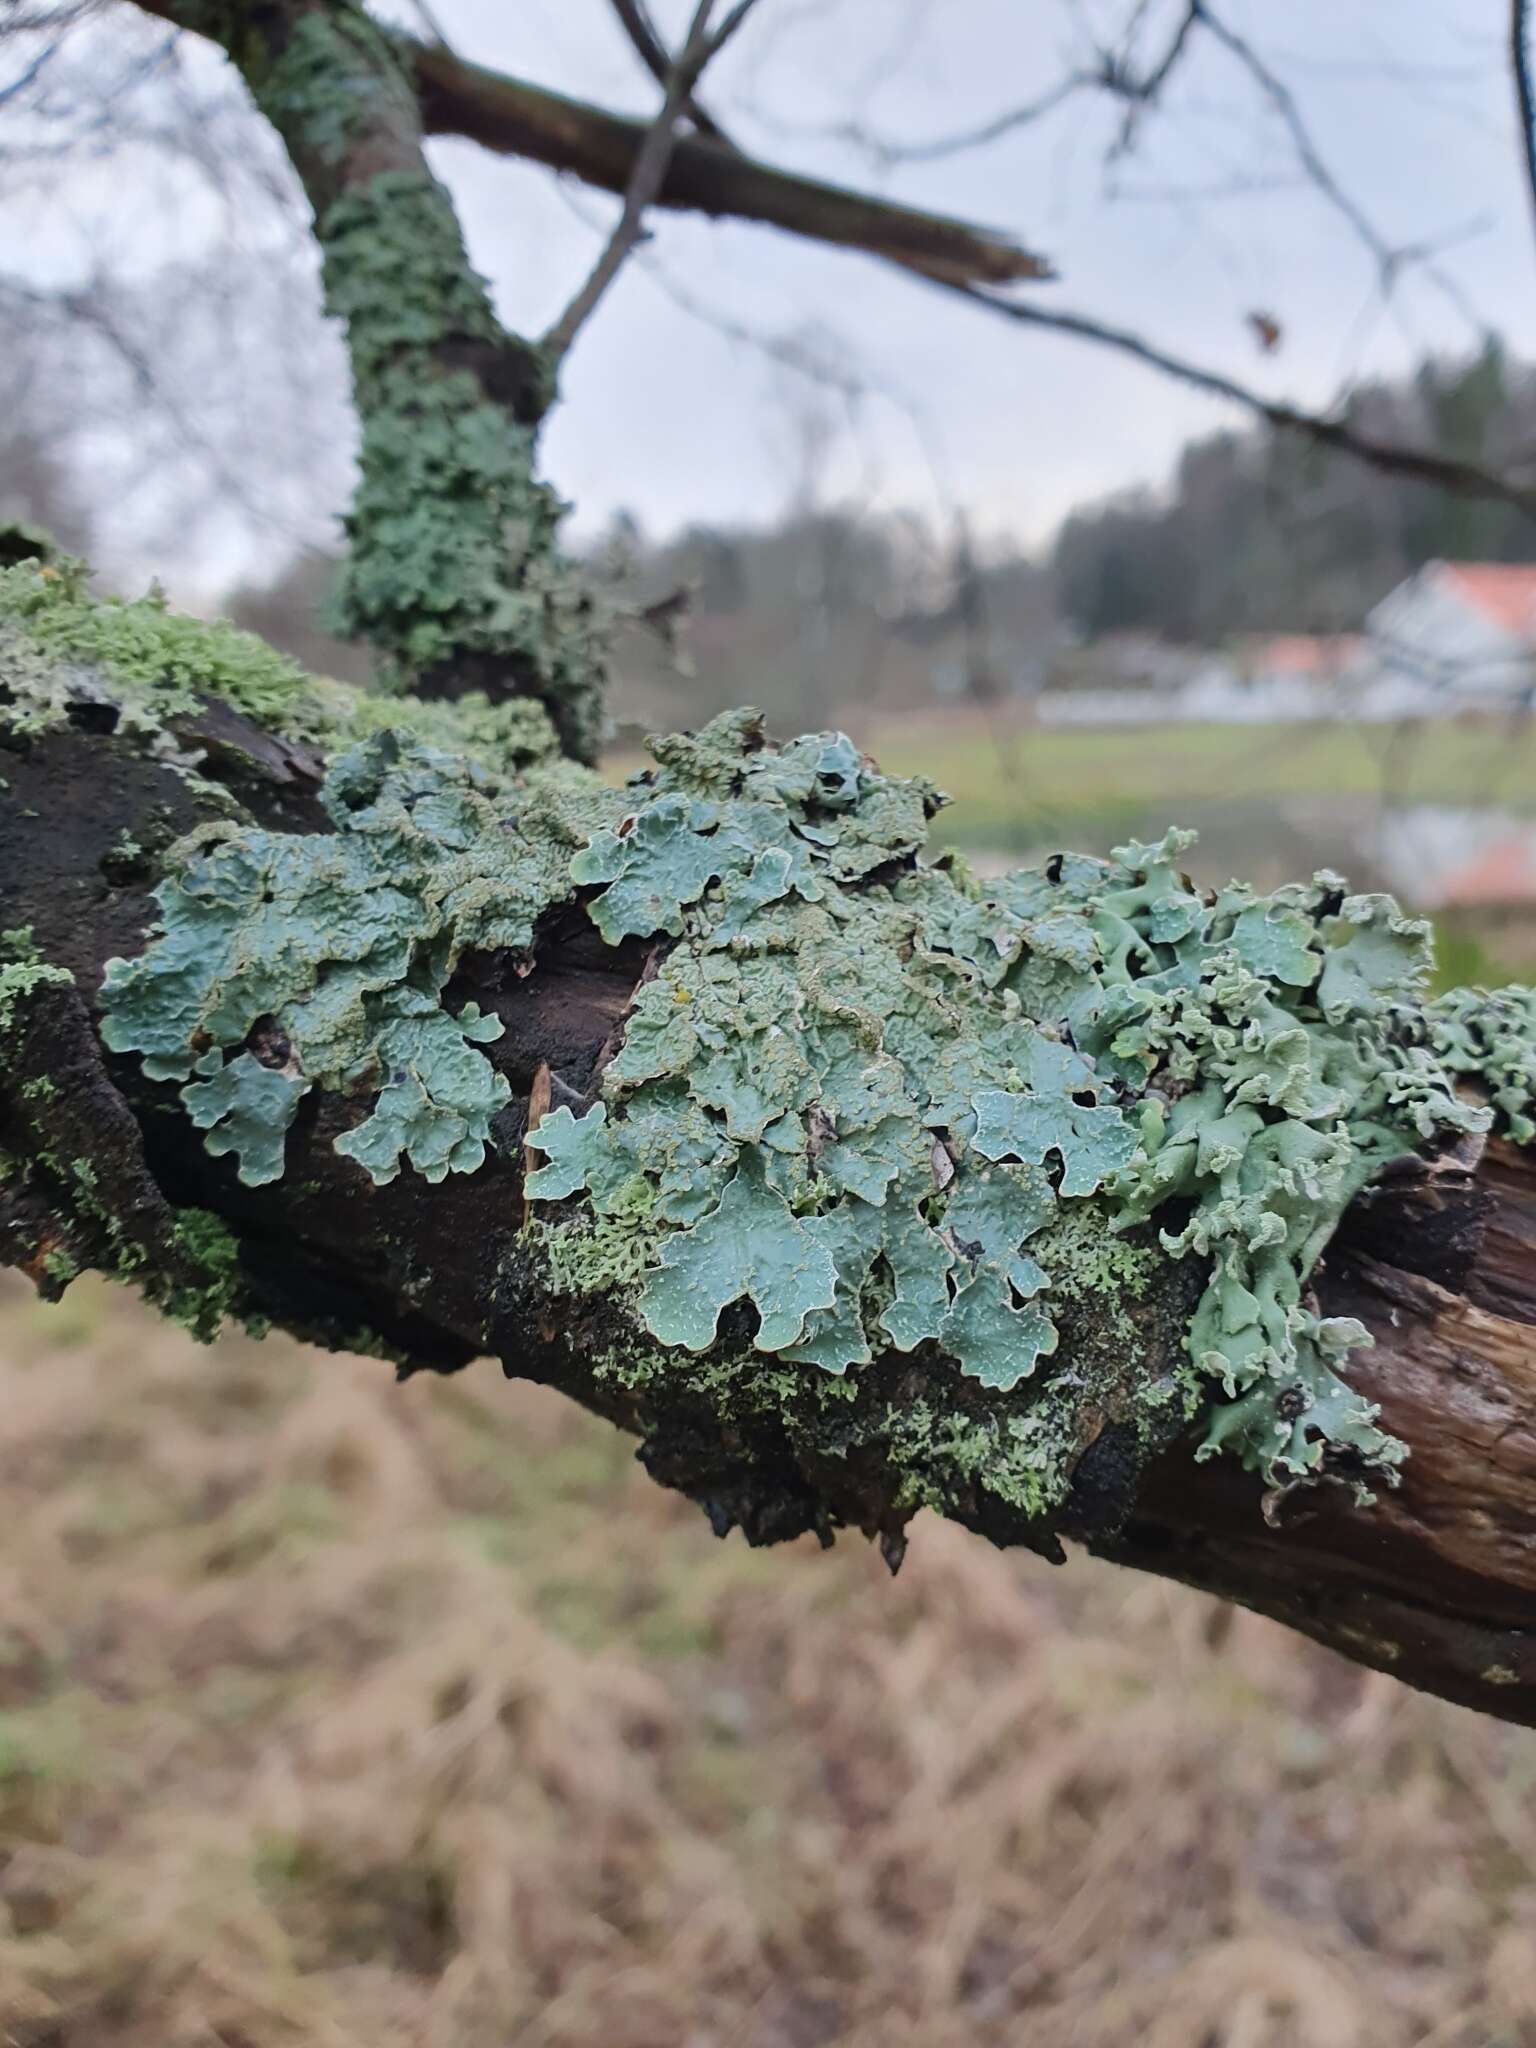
[{"x": 1436, "y": 1583}]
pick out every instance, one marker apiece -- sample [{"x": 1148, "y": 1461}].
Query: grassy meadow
[
  {"x": 335, "y": 1714},
  {"x": 1017, "y": 786}
]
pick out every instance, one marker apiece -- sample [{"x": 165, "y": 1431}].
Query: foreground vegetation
[{"x": 357, "y": 1716}]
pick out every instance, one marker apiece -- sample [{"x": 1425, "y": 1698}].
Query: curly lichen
[
  {"x": 454, "y": 559},
  {"x": 865, "y": 1106},
  {"x": 64, "y": 652},
  {"x": 1489, "y": 1039},
  {"x": 338, "y": 946}
]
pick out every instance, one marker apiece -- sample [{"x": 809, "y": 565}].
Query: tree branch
[
  {"x": 648, "y": 47},
  {"x": 319, "y": 1231},
  {"x": 646, "y": 179},
  {"x": 1424, "y": 465},
  {"x": 507, "y": 115},
  {"x": 1525, "y": 94},
  {"x": 514, "y": 118}
]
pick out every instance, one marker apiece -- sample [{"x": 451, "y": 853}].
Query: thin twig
[
  {"x": 652, "y": 52},
  {"x": 1283, "y": 101},
  {"x": 1466, "y": 479},
  {"x": 427, "y": 16},
  {"x": 1141, "y": 93},
  {"x": 1525, "y": 94},
  {"x": 645, "y": 180}
]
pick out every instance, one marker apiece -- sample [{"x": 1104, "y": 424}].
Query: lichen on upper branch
[{"x": 454, "y": 571}]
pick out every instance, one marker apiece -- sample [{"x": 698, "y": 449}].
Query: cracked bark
[{"x": 1436, "y": 1583}]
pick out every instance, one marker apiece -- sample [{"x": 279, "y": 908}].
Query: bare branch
[
  {"x": 649, "y": 48},
  {"x": 1525, "y": 94},
  {"x": 1140, "y": 93},
  {"x": 513, "y": 118},
  {"x": 1112, "y": 73},
  {"x": 645, "y": 180},
  {"x": 427, "y": 16},
  {"x": 1466, "y": 479},
  {"x": 1283, "y": 101},
  {"x": 972, "y": 138}
]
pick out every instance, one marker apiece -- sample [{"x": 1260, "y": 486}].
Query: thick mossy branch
[
  {"x": 860, "y": 1099},
  {"x": 851, "y": 1185},
  {"x": 454, "y": 570}
]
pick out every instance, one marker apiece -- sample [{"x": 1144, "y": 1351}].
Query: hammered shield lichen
[{"x": 860, "y": 1093}]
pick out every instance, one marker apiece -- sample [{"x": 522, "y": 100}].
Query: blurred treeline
[
  {"x": 834, "y": 609},
  {"x": 1262, "y": 532}
]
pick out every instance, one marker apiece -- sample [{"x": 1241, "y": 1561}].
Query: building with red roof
[{"x": 1454, "y": 636}]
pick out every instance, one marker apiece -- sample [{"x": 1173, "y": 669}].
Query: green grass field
[{"x": 1014, "y": 786}]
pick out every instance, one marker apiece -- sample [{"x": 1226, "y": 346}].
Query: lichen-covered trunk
[{"x": 1063, "y": 1206}]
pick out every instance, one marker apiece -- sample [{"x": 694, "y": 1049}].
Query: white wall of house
[{"x": 1433, "y": 652}]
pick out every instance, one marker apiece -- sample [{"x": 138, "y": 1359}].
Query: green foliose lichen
[
  {"x": 1489, "y": 1039},
  {"x": 844, "y": 1049},
  {"x": 65, "y": 653},
  {"x": 454, "y": 556},
  {"x": 864, "y": 1106},
  {"x": 327, "y": 955},
  {"x": 335, "y": 79}
]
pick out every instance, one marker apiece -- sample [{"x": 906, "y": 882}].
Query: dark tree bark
[{"x": 1435, "y": 1583}]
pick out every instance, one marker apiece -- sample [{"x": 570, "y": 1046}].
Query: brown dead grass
[{"x": 343, "y": 1714}]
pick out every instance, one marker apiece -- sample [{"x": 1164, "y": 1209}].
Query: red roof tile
[
  {"x": 1504, "y": 873},
  {"x": 1503, "y": 592}
]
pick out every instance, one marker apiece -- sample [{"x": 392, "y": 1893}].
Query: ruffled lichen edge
[{"x": 866, "y": 1108}]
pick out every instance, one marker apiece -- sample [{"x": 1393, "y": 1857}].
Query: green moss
[
  {"x": 1087, "y": 1260},
  {"x": 942, "y": 1455},
  {"x": 22, "y": 969},
  {"x": 204, "y": 1246},
  {"x": 591, "y": 1255},
  {"x": 60, "y": 647}
]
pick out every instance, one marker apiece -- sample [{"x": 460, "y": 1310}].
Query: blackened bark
[{"x": 1436, "y": 1583}]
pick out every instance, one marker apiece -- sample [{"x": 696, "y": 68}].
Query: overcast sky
[{"x": 1409, "y": 102}]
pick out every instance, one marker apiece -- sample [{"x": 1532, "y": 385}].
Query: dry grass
[{"x": 339, "y": 1714}]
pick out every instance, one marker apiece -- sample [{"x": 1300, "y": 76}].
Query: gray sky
[{"x": 1408, "y": 100}]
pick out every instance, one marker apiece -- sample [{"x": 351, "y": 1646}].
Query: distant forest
[{"x": 1262, "y": 532}]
